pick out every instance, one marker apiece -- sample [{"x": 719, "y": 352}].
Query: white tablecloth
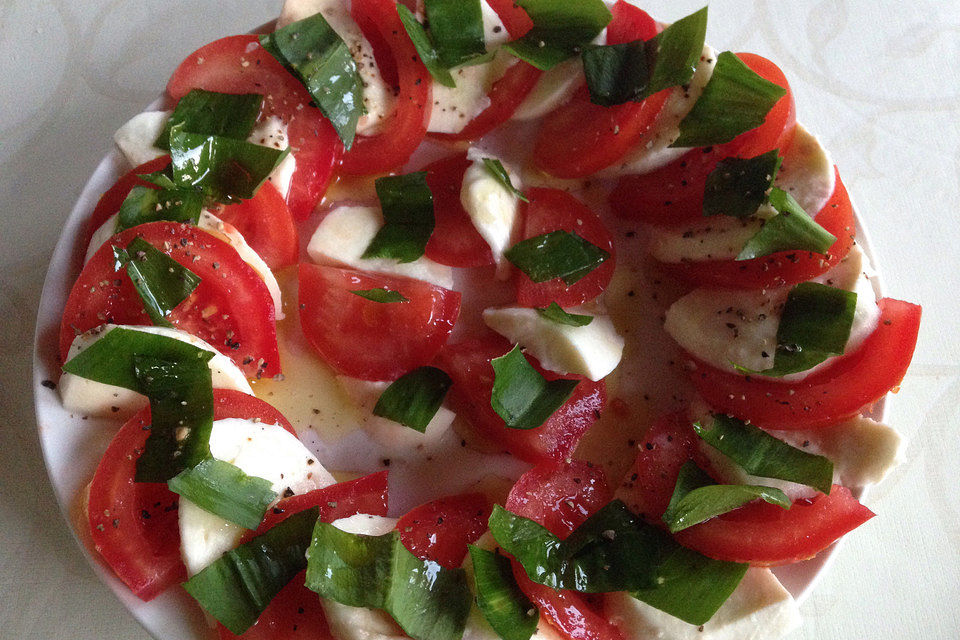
[{"x": 878, "y": 80}]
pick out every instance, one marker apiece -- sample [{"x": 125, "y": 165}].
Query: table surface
[{"x": 876, "y": 79}]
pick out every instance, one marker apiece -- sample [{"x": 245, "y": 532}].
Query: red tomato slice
[
  {"x": 455, "y": 241},
  {"x": 231, "y": 308},
  {"x": 267, "y": 224},
  {"x": 109, "y": 203},
  {"x": 552, "y": 210},
  {"x": 442, "y": 529},
  {"x": 400, "y": 64},
  {"x": 514, "y": 18},
  {"x": 373, "y": 340},
  {"x": 295, "y": 613},
  {"x": 468, "y": 365},
  {"x": 238, "y": 64},
  {"x": 826, "y": 397},
  {"x": 783, "y": 268},
  {"x": 673, "y": 194},
  {"x": 649, "y": 483},
  {"x": 560, "y": 495},
  {"x": 580, "y": 137},
  {"x": 766, "y": 535},
  {"x": 134, "y": 524}
]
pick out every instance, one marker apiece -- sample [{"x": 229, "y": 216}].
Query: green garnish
[
  {"x": 144, "y": 204},
  {"x": 414, "y": 398},
  {"x": 560, "y": 30},
  {"x": 425, "y": 49},
  {"x": 523, "y": 397},
  {"x": 456, "y": 28},
  {"x": 161, "y": 282},
  {"x": 384, "y": 296},
  {"x": 791, "y": 229},
  {"x": 555, "y": 313},
  {"x": 558, "y": 254},
  {"x": 216, "y": 114},
  {"x": 224, "y": 490},
  {"x": 498, "y": 171},
  {"x": 739, "y": 186},
  {"x": 499, "y": 598},
  {"x": 407, "y": 206}
]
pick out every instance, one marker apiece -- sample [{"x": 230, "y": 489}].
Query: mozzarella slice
[
  {"x": 345, "y": 233},
  {"x": 136, "y": 137},
  {"x": 90, "y": 398},
  {"x": 759, "y": 608},
  {"x": 593, "y": 350},
  {"x": 402, "y": 440},
  {"x": 554, "y": 88},
  {"x": 807, "y": 174},
  {"x": 492, "y": 208},
  {"x": 378, "y": 97},
  {"x": 272, "y": 132},
  {"x": 454, "y": 107},
  {"x": 223, "y": 231},
  {"x": 262, "y": 450},
  {"x": 727, "y": 327},
  {"x": 654, "y": 150}
]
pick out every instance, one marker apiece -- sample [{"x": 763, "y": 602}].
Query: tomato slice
[
  {"x": 468, "y": 365},
  {"x": 673, "y": 194},
  {"x": 786, "y": 267},
  {"x": 514, "y": 18},
  {"x": 373, "y": 340},
  {"x": 826, "y": 397},
  {"x": 267, "y": 224},
  {"x": 560, "y": 496},
  {"x": 295, "y": 613},
  {"x": 580, "y": 137},
  {"x": 134, "y": 524},
  {"x": 767, "y": 535},
  {"x": 400, "y": 63},
  {"x": 552, "y": 210},
  {"x": 455, "y": 241},
  {"x": 238, "y": 64},
  {"x": 109, "y": 203},
  {"x": 230, "y": 308},
  {"x": 441, "y": 530}
]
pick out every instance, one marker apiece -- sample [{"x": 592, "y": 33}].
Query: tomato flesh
[
  {"x": 441, "y": 530},
  {"x": 267, "y": 224},
  {"x": 455, "y": 241},
  {"x": 553, "y": 210},
  {"x": 373, "y": 340},
  {"x": 826, "y": 397},
  {"x": 468, "y": 365},
  {"x": 134, "y": 525},
  {"x": 673, "y": 194},
  {"x": 231, "y": 308},
  {"x": 238, "y": 64}
]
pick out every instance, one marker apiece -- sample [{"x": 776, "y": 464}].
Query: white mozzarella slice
[
  {"x": 378, "y": 97},
  {"x": 726, "y": 327},
  {"x": 403, "y": 441},
  {"x": 454, "y": 107},
  {"x": 345, "y": 233},
  {"x": 135, "y": 138},
  {"x": 222, "y": 230},
  {"x": 807, "y": 174},
  {"x": 554, "y": 88},
  {"x": 261, "y": 450},
  {"x": 90, "y": 398},
  {"x": 494, "y": 31},
  {"x": 758, "y": 608},
  {"x": 272, "y": 132},
  {"x": 593, "y": 350},
  {"x": 654, "y": 150},
  {"x": 492, "y": 208}
]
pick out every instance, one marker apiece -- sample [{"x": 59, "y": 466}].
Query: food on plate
[{"x": 577, "y": 281}]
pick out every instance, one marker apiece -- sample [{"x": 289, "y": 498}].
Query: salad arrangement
[{"x": 563, "y": 231}]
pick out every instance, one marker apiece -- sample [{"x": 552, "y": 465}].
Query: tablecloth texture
[{"x": 878, "y": 80}]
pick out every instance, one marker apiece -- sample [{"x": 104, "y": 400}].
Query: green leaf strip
[
  {"x": 498, "y": 171},
  {"x": 560, "y": 30},
  {"x": 739, "y": 186},
  {"x": 383, "y": 296},
  {"x": 215, "y": 114},
  {"x": 792, "y": 229},
  {"x": 144, "y": 204},
  {"x": 456, "y": 29},
  {"x": 499, "y": 598},
  {"x": 414, "y": 398},
  {"x": 523, "y": 397},
  {"x": 558, "y": 254},
  {"x": 161, "y": 282},
  {"x": 424, "y": 46},
  {"x": 224, "y": 490},
  {"x": 407, "y": 205},
  {"x": 555, "y": 313}
]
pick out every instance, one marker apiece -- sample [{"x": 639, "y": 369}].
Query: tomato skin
[
  {"x": 399, "y": 63},
  {"x": 295, "y": 613},
  {"x": 784, "y": 268},
  {"x": 826, "y": 397},
  {"x": 673, "y": 194},
  {"x": 560, "y": 495},
  {"x": 238, "y": 64},
  {"x": 468, "y": 365},
  {"x": 231, "y": 308},
  {"x": 580, "y": 138},
  {"x": 568, "y": 612},
  {"x": 266, "y": 223},
  {"x": 134, "y": 525},
  {"x": 552, "y": 210},
  {"x": 109, "y": 203},
  {"x": 767, "y": 535},
  {"x": 441, "y": 530},
  {"x": 455, "y": 241},
  {"x": 514, "y": 18},
  {"x": 372, "y": 340}
]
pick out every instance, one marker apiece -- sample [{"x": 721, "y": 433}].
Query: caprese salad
[{"x": 578, "y": 279}]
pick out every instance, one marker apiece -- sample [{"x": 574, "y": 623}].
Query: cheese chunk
[
  {"x": 554, "y": 88},
  {"x": 759, "y": 609},
  {"x": 222, "y": 230},
  {"x": 90, "y": 398},
  {"x": 272, "y": 132},
  {"x": 136, "y": 137},
  {"x": 262, "y": 450},
  {"x": 492, "y": 208},
  {"x": 345, "y": 233},
  {"x": 593, "y": 350}
]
